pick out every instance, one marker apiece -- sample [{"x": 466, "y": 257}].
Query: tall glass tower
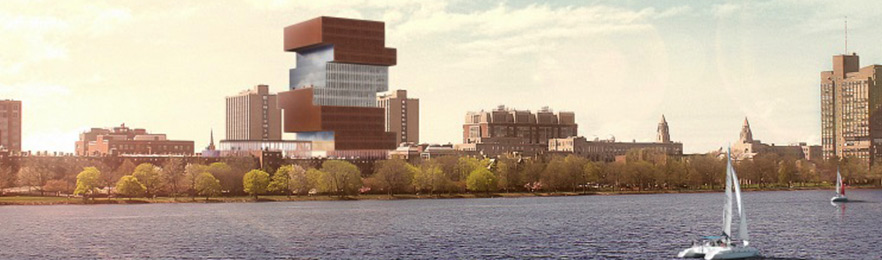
[{"x": 341, "y": 66}]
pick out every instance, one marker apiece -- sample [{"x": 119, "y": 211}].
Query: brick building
[{"x": 123, "y": 140}]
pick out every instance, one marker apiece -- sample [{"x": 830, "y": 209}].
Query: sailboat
[
  {"x": 723, "y": 247},
  {"x": 840, "y": 190}
]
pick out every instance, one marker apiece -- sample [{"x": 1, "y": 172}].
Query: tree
[
  {"x": 341, "y": 177},
  {"x": 314, "y": 180},
  {"x": 787, "y": 172},
  {"x": 300, "y": 182},
  {"x": 7, "y": 176},
  {"x": 58, "y": 186},
  {"x": 708, "y": 170},
  {"x": 255, "y": 182},
  {"x": 508, "y": 171},
  {"x": 564, "y": 173},
  {"x": 766, "y": 168},
  {"x": 173, "y": 175},
  {"x": 126, "y": 168},
  {"x": 639, "y": 173},
  {"x": 394, "y": 175},
  {"x": 191, "y": 173},
  {"x": 34, "y": 176},
  {"x": 207, "y": 185},
  {"x": 129, "y": 186},
  {"x": 431, "y": 178},
  {"x": 150, "y": 176},
  {"x": 87, "y": 181},
  {"x": 281, "y": 181},
  {"x": 229, "y": 180},
  {"x": 592, "y": 172},
  {"x": 482, "y": 180}
]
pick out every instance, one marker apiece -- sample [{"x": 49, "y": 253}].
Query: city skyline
[{"x": 705, "y": 66}]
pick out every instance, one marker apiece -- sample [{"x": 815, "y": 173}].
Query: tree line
[{"x": 641, "y": 170}]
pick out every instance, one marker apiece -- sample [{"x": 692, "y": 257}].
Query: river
[{"x": 783, "y": 225}]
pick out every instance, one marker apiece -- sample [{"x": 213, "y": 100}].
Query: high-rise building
[
  {"x": 10, "y": 124},
  {"x": 341, "y": 66},
  {"x": 254, "y": 115},
  {"x": 402, "y": 116},
  {"x": 122, "y": 140},
  {"x": 851, "y": 119}
]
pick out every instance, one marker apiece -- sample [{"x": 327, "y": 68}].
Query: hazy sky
[{"x": 167, "y": 65}]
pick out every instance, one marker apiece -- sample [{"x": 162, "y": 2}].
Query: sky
[{"x": 619, "y": 65}]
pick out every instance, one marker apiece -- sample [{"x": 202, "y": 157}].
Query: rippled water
[{"x": 789, "y": 225}]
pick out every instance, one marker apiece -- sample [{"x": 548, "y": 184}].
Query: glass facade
[{"x": 338, "y": 84}]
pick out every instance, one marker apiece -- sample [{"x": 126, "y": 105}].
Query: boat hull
[
  {"x": 839, "y": 199},
  {"x": 692, "y": 252},
  {"x": 731, "y": 253}
]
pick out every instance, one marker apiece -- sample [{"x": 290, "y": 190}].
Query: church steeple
[
  {"x": 746, "y": 134},
  {"x": 211, "y": 142},
  {"x": 663, "y": 135}
]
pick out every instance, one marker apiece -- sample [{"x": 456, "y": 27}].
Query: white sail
[
  {"x": 838, "y": 183},
  {"x": 742, "y": 223},
  {"x": 727, "y": 207}
]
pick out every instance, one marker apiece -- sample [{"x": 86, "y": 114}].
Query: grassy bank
[{"x": 51, "y": 200}]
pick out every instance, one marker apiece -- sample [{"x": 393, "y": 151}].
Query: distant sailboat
[
  {"x": 722, "y": 247},
  {"x": 840, "y": 190}
]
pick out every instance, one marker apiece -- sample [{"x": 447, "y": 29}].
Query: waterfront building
[
  {"x": 254, "y": 115},
  {"x": 402, "y": 116},
  {"x": 341, "y": 66},
  {"x": 10, "y": 125},
  {"x": 504, "y": 130},
  {"x": 608, "y": 150},
  {"x": 746, "y": 147},
  {"x": 851, "y": 109},
  {"x": 123, "y": 140}
]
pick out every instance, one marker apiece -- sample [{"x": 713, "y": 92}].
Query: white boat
[
  {"x": 840, "y": 190},
  {"x": 723, "y": 247}
]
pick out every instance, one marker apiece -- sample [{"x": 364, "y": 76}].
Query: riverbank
[{"x": 52, "y": 200}]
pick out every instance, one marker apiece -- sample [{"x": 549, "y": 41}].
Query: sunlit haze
[{"x": 167, "y": 65}]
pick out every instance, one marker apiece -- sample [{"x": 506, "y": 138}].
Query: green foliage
[
  {"x": 229, "y": 179},
  {"x": 787, "y": 171},
  {"x": 191, "y": 173},
  {"x": 150, "y": 176},
  {"x": 87, "y": 181},
  {"x": 281, "y": 181},
  {"x": 256, "y": 182},
  {"x": 394, "y": 175},
  {"x": 313, "y": 181},
  {"x": 340, "y": 177},
  {"x": 431, "y": 178},
  {"x": 482, "y": 180},
  {"x": 207, "y": 185},
  {"x": 564, "y": 173},
  {"x": 129, "y": 186}
]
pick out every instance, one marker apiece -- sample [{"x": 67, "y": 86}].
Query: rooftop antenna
[{"x": 846, "y": 35}]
